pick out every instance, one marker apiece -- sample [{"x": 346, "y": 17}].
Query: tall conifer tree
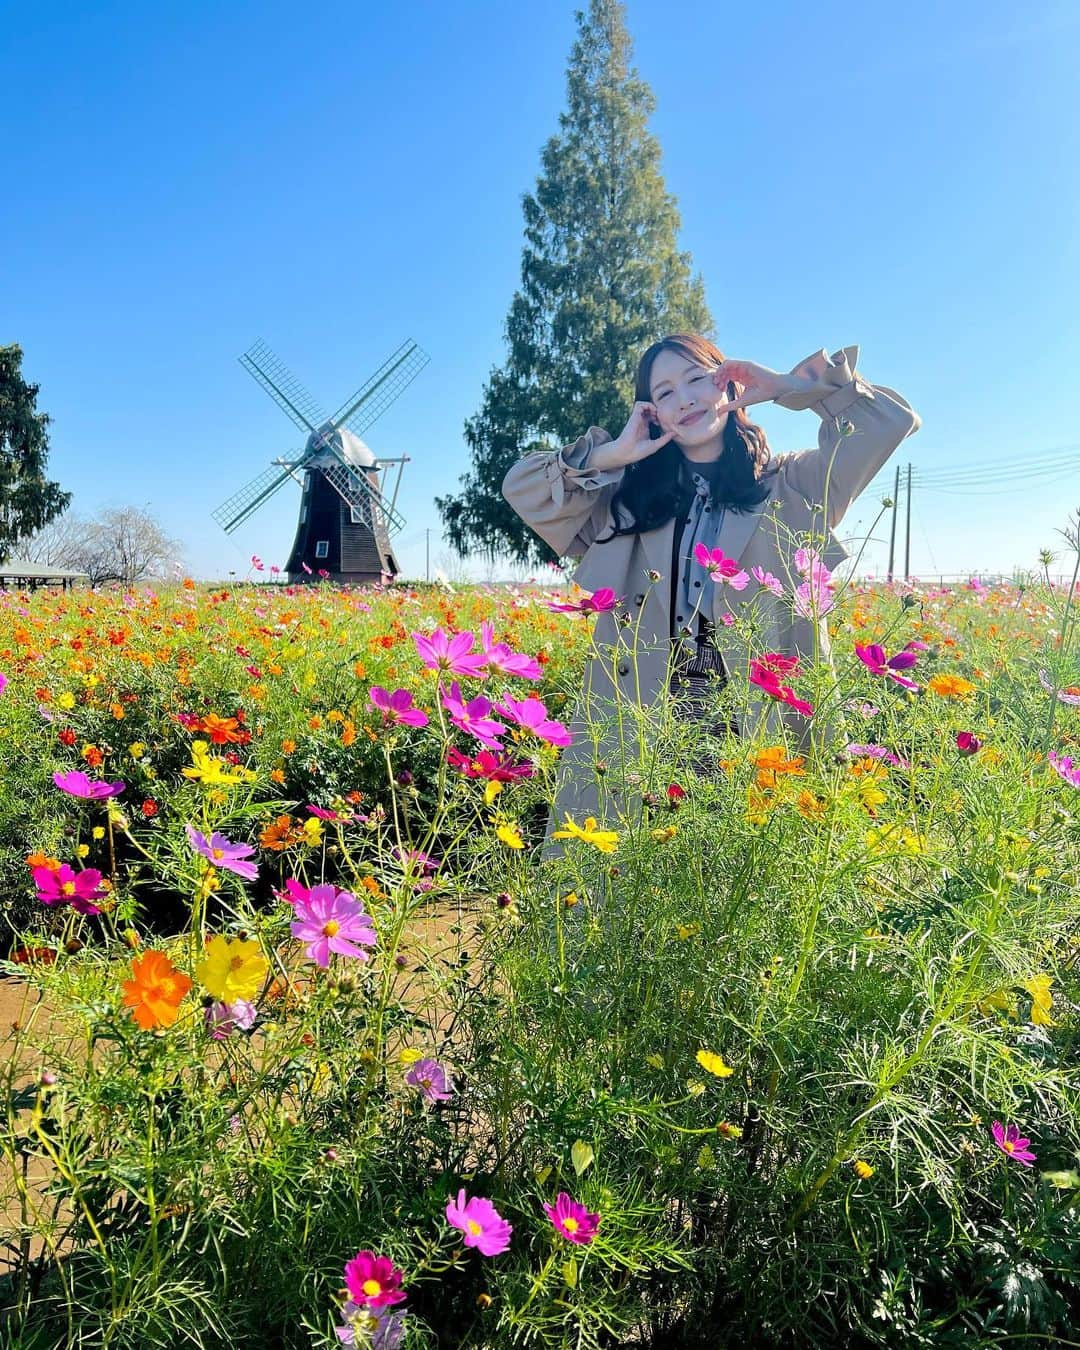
[
  {"x": 28, "y": 500},
  {"x": 601, "y": 278}
]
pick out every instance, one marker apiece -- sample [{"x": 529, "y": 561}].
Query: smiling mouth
[{"x": 694, "y": 417}]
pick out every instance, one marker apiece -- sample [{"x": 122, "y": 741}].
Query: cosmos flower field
[{"x": 308, "y": 1046}]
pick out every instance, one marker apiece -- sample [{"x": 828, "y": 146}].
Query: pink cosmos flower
[
  {"x": 441, "y": 652},
  {"x": 968, "y": 743},
  {"x": 765, "y": 672},
  {"x": 532, "y": 715},
  {"x": 63, "y": 886},
  {"x": 373, "y": 1281},
  {"x": 397, "y": 707},
  {"x": 76, "y": 784},
  {"x": 872, "y": 751},
  {"x": 222, "y": 1019},
  {"x": 381, "y": 1328},
  {"x": 598, "y": 603},
  {"x": 1007, "y": 1138},
  {"x": 1070, "y": 695},
  {"x": 767, "y": 580},
  {"x": 572, "y": 1220},
  {"x": 483, "y": 1225},
  {"x": 502, "y": 658},
  {"x": 3, "y": 683},
  {"x": 873, "y": 656},
  {"x": 256, "y": 562},
  {"x": 1063, "y": 764},
  {"x": 432, "y": 1079},
  {"x": 415, "y": 858},
  {"x": 306, "y": 568},
  {"x": 274, "y": 569},
  {"x": 472, "y": 717},
  {"x": 329, "y": 920},
  {"x": 722, "y": 569},
  {"x": 495, "y": 768},
  {"x": 222, "y": 853}
]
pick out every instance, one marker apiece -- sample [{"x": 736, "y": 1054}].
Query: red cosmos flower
[
  {"x": 149, "y": 808},
  {"x": 67, "y": 736},
  {"x": 968, "y": 743},
  {"x": 675, "y": 793},
  {"x": 765, "y": 672}
]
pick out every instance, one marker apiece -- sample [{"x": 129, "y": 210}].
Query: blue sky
[{"x": 335, "y": 178}]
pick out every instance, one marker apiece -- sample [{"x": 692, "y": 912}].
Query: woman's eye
[
  {"x": 696, "y": 378},
  {"x": 664, "y": 394}
]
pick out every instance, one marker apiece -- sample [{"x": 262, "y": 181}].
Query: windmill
[{"x": 345, "y": 520}]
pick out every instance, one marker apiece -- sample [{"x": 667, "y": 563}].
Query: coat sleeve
[
  {"x": 862, "y": 424},
  {"x": 566, "y": 505}
]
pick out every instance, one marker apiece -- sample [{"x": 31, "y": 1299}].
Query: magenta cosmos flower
[
  {"x": 432, "y": 1079},
  {"x": 1008, "y": 1139},
  {"x": 1063, "y": 764},
  {"x": 228, "y": 856},
  {"x": 397, "y": 707},
  {"x": 598, "y": 603},
  {"x": 76, "y": 784},
  {"x": 483, "y": 1225},
  {"x": 373, "y": 1281},
  {"x": 722, "y": 569},
  {"x": 65, "y": 887},
  {"x": 499, "y": 768},
  {"x": 453, "y": 654},
  {"x": 968, "y": 743},
  {"x": 572, "y": 1220},
  {"x": 472, "y": 717},
  {"x": 532, "y": 715},
  {"x": 329, "y": 920},
  {"x": 765, "y": 672},
  {"x": 767, "y": 580},
  {"x": 502, "y": 658},
  {"x": 873, "y": 656}
]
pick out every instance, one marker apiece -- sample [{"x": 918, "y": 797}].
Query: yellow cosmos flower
[
  {"x": 1038, "y": 986},
  {"x": 410, "y": 1056},
  {"x": 491, "y": 791},
  {"x": 66, "y": 701},
  {"x": 604, "y": 840},
  {"x": 209, "y": 769},
  {"x": 863, "y": 1169},
  {"x": 313, "y": 831},
  {"x": 890, "y": 838},
  {"x": 509, "y": 833},
  {"x": 714, "y": 1064},
  {"x": 232, "y": 969}
]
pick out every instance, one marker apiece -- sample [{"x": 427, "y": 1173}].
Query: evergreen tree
[
  {"x": 601, "y": 278},
  {"x": 28, "y": 500}
]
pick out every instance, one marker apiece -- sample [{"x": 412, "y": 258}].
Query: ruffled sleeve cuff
[
  {"x": 568, "y": 468},
  {"x": 836, "y": 383}
]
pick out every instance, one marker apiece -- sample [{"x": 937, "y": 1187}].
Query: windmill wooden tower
[{"x": 345, "y": 519}]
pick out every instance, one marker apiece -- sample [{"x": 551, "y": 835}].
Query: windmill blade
[
  {"x": 372, "y": 399},
  {"x": 366, "y": 504},
  {"x": 282, "y": 386},
  {"x": 236, "y": 509}
]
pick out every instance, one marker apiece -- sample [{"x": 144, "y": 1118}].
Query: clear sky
[{"x": 181, "y": 179}]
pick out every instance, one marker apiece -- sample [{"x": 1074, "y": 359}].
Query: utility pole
[
  {"x": 907, "y": 540},
  {"x": 427, "y": 555},
  {"x": 892, "y": 534}
]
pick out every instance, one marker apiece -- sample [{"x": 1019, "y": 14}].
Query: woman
[{"x": 690, "y": 468}]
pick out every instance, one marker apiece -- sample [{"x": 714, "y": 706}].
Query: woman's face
[{"x": 687, "y": 401}]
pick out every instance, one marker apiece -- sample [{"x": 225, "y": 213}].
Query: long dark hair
[{"x": 652, "y": 490}]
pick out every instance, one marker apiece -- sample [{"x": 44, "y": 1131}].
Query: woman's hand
[
  {"x": 633, "y": 442},
  {"x": 755, "y": 384}
]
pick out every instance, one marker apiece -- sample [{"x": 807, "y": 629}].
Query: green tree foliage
[
  {"x": 28, "y": 500},
  {"x": 601, "y": 278}
]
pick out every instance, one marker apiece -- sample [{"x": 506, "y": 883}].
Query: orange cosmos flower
[
  {"x": 774, "y": 760},
  {"x": 155, "y": 991},
  {"x": 950, "y": 686}
]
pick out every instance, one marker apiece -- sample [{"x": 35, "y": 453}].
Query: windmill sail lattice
[{"x": 345, "y": 520}]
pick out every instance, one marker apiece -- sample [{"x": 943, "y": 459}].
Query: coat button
[
  {"x": 624, "y": 669},
  {"x": 697, "y": 583}
]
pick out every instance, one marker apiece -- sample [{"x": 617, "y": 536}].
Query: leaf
[
  {"x": 569, "y": 1274},
  {"x": 542, "y": 1174},
  {"x": 581, "y": 1155}
]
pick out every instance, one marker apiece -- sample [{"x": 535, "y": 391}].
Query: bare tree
[{"x": 123, "y": 543}]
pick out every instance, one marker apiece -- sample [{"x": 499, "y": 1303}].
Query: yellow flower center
[
  {"x": 218, "y": 853},
  {"x": 474, "y": 1227},
  {"x": 331, "y": 928},
  {"x": 571, "y": 1225},
  {"x": 67, "y": 887},
  {"x": 236, "y": 963},
  {"x": 371, "y": 1288},
  {"x": 1009, "y": 1145}
]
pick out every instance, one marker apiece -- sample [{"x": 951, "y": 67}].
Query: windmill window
[{"x": 322, "y": 548}]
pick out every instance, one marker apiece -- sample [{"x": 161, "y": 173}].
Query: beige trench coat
[{"x": 809, "y": 491}]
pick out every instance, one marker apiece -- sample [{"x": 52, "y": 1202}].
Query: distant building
[{"x": 31, "y": 575}]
